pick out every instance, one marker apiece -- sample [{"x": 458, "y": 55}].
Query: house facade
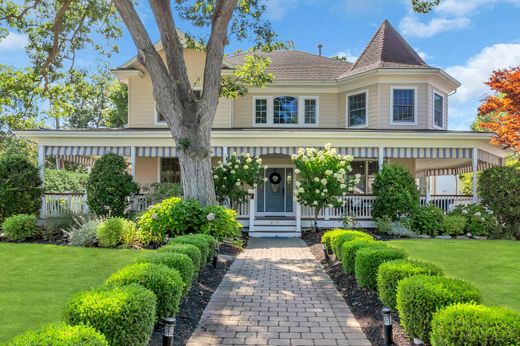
[{"x": 387, "y": 107}]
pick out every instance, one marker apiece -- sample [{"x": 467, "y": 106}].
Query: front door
[{"x": 275, "y": 196}]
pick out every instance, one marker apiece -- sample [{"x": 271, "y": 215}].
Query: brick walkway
[{"x": 276, "y": 293}]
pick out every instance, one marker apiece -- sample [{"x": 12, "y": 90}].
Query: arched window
[{"x": 285, "y": 110}]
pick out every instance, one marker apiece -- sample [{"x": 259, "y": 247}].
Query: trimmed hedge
[
  {"x": 62, "y": 335},
  {"x": 212, "y": 243},
  {"x": 178, "y": 261},
  {"x": 19, "y": 227},
  {"x": 338, "y": 240},
  {"x": 189, "y": 250},
  {"x": 475, "y": 325},
  {"x": 124, "y": 315},
  {"x": 390, "y": 273},
  {"x": 368, "y": 261},
  {"x": 166, "y": 283},
  {"x": 419, "y": 297},
  {"x": 349, "y": 250},
  {"x": 326, "y": 238},
  {"x": 116, "y": 231},
  {"x": 200, "y": 243}
]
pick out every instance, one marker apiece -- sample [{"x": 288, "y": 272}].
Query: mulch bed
[
  {"x": 365, "y": 304},
  {"x": 198, "y": 297}
]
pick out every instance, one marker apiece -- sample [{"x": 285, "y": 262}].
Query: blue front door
[{"x": 275, "y": 196}]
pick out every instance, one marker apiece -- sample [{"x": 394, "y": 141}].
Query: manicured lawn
[
  {"x": 493, "y": 265},
  {"x": 37, "y": 280}
]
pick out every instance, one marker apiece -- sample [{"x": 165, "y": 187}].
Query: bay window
[{"x": 357, "y": 110}]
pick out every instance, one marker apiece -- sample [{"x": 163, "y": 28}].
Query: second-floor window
[
  {"x": 438, "y": 110},
  {"x": 286, "y": 111},
  {"x": 357, "y": 110},
  {"x": 403, "y": 106}
]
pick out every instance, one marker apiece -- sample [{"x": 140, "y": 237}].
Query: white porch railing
[
  {"x": 447, "y": 202},
  {"x": 58, "y": 204},
  {"x": 357, "y": 206}
]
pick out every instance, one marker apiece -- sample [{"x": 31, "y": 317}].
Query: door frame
[{"x": 272, "y": 213}]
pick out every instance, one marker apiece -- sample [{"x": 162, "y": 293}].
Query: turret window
[{"x": 403, "y": 106}]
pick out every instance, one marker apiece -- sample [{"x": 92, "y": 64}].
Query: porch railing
[{"x": 357, "y": 206}]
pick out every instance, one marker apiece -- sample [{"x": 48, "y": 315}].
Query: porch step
[
  {"x": 277, "y": 228},
  {"x": 275, "y": 222},
  {"x": 274, "y": 227},
  {"x": 274, "y": 234}
]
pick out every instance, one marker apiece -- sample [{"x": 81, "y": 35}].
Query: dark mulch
[
  {"x": 198, "y": 297},
  {"x": 365, "y": 304}
]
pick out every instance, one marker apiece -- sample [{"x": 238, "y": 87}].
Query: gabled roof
[
  {"x": 387, "y": 49},
  {"x": 298, "y": 65}
]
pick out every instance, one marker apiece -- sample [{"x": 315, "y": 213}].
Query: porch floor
[{"x": 276, "y": 293}]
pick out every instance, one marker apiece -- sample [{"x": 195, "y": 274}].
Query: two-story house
[{"x": 389, "y": 106}]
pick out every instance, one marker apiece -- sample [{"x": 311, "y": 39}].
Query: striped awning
[
  {"x": 258, "y": 151},
  {"x": 452, "y": 171},
  {"x": 429, "y": 153},
  {"x": 85, "y": 161},
  {"x": 169, "y": 151},
  {"x": 85, "y": 151},
  {"x": 494, "y": 160},
  {"x": 360, "y": 152}
]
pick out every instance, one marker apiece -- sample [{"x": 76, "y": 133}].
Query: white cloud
[
  {"x": 278, "y": 9},
  {"x": 411, "y": 26},
  {"x": 463, "y": 105},
  {"x": 13, "y": 41},
  {"x": 348, "y": 55},
  {"x": 425, "y": 56}
]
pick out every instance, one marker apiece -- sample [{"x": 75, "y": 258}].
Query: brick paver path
[{"x": 276, "y": 293}]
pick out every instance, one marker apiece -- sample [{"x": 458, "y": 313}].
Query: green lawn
[
  {"x": 37, "y": 280},
  {"x": 492, "y": 265}
]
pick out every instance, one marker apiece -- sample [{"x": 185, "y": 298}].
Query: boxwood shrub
[
  {"x": 212, "y": 243},
  {"x": 419, "y": 297},
  {"x": 339, "y": 239},
  {"x": 116, "y": 231},
  {"x": 189, "y": 250},
  {"x": 200, "y": 243},
  {"x": 124, "y": 315},
  {"x": 326, "y": 238},
  {"x": 166, "y": 283},
  {"x": 475, "y": 325},
  {"x": 368, "y": 261},
  {"x": 390, "y": 273},
  {"x": 178, "y": 261},
  {"x": 19, "y": 227},
  {"x": 350, "y": 248},
  {"x": 62, "y": 335}
]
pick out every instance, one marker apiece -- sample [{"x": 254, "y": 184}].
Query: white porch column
[
  {"x": 474, "y": 165},
  {"x": 252, "y": 203},
  {"x": 132, "y": 160},
  {"x": 41, "y": 162},
  {"x": 224, "y": 153},
  {"x": 428, "y": 189},
  {"x": 381, "y": 158},
  {"x": 298, "y": 216}
]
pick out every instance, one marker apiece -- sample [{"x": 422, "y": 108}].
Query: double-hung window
[
  {"x": 403, "y": 106},
  {"x": 285, "y": 111},
  {"x": 438, "y": 110},
  {"x": 357, "y": 110}
]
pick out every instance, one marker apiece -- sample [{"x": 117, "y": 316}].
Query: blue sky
[{"x": 468, "y": 38}]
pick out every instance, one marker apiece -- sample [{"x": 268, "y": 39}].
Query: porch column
[
  {"x": 224, "y": 153},
  {"x": 381, "y": 158},
  {"x": 132, "y": 160},
  {"x": 252, "y": 213},
  {"x": 428, "y": 189},
  {"x": 474, "y": 164},
  {"x": 298, "y": 216},
  {"x": 41, "y": 162}
]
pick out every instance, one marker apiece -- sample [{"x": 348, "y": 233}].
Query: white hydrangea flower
[
  {"x": 328, "y": 146},
  {"x": 321, "y": 158},
  {"x": 248, "y": 155},
  {"x": 250, "y": 191},
  {"x": 232, "y": 171},
  {"x": 320, "y": 153},
  {"x": 154, "y": 216},
  {"x": 237, "y": 183},
  {"x": 215, "y": 176},
  {"x": 316, "y": 179},
  {"x": 478, "y": 213},
  {"x": 305, "y": 158},
  {"x": 342, "y": 162},
  {"x": 298, "y": 183},
  {"x": 328, "y": 172},
  {"x": 329, "y": 205},
  {"x": 301, "y": 190},
  {"x": 315, "y": 203},
  {"x": 297, "y": 171},
  {"x": 358, "y": 176},
  {"x": 259, "y": 161},
  {"x": 210, "y": 217},
  {"x": 317, "y": 191},
  {"x": 324, "y": 181},
  {"x": 301, "y": 151},
  {"x": 325, "y": 190},
  {"x": 323, "y": 194},
  {"x": 224, "y": 169},
  {"x": 464, "y": 211},
  {"x": 333, "y": 151},
  {"x": 342, "y": 186},
  {"x": 249, "y": 160},
  {"x": 265, "y": 179},
  {"x": 255, "y": 185},
  {"x": 246, "y": 167},
  {"x": 294, "y": 157},
  {"x": 349, "y": 168},
  {"x": 348, "y": 157},
  {"x": 350, "y": 188},
  {"x": 344, "y": 193}
]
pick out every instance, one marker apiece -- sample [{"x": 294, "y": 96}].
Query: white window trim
[
  {"x": 437, "y": 92},
  {"x": 270, "y": 111},
  {"x": 347, "y": 118},
  {"x": 156, "y": 114},
  {"x": 403, "y": 123}
]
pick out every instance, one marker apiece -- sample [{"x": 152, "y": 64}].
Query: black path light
[
  {"x": 387, "y": 326},
  {"x": 215, "y": 257},
  {"x": 325, "y": 252},
  {"x": 169, "y": 331}
]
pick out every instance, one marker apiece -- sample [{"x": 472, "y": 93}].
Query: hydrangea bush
[
  {"x": 236, "y": 178},
  {"x": 480, "y": 221},
  {"x": 323, "y": 178}
]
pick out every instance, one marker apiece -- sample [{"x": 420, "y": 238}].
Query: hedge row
[
  {"x": 431, "y": 307},
  {"x": 126, "y": 308}
]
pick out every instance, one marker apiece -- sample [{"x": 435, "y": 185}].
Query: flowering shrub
[
  {"x": 236, "y": 178},
  {"x": 428, "y": 219},
  {"x": 480, "y": 221},
  {"x": 323, "y": 177}
]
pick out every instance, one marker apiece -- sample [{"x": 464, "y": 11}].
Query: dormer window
[
  {"x": 403, "y": 106},
  {"x": 357, "y": 109},
  {"x": 285, "y": 111}
]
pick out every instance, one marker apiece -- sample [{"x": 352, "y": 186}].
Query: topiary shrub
[
  {"x": 499, "y": 190},
  {"x": 189, "y": 250},
  {"x": 475, "y": 325},
  {"x": 349, "y": 250},
  {"x": 428, "y": 219},
  {"x": 178, "y": 261},
  {"x": 20, "y": 187},
  {"x": 212, "y": 243},
  {"x": 368, "y": 261},
  {"x": 479, "y": 220},
  {"x": 200, "y": 243},
  {"x": 419, "y": 297},
  {"x": 124, "y": 315},
  {"x": 62, "y": 335},
  {"x": 109, "y": 186},
  {"x": 338, "y": 240},
  {"x": 454, "y": 224},
  {"x": 19, "y": 227},
  {"x": 396, "y": 193},
  {"x": 166, "y": 283},
  {"x": 116, "y": 231},
  {"x": 390, "y": 273}
]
